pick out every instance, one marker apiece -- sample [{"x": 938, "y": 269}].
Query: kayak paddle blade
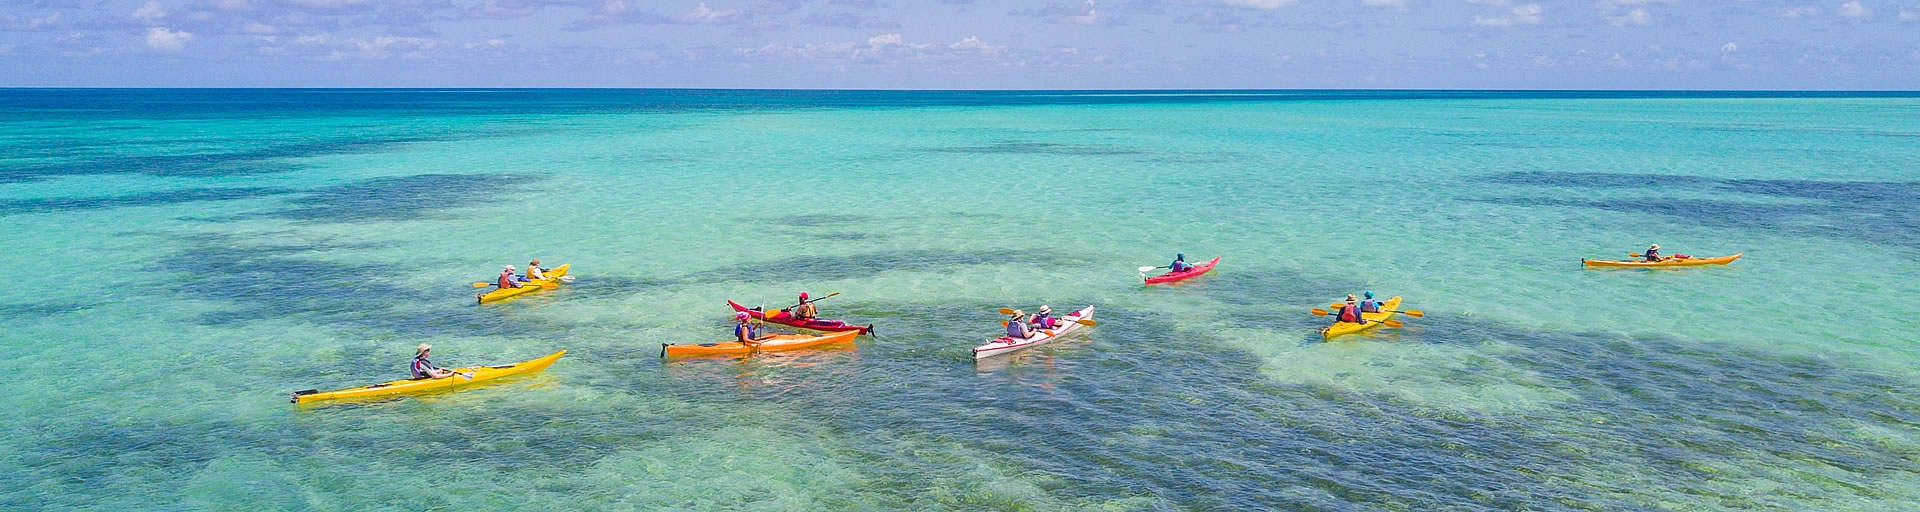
[{"x": 1320, "y": 312}]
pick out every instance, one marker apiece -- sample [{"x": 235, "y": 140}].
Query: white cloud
[
  {"x": 1906, "y": 15},
  {"x": 255, "y": 27},
  {"x": 150, "y": 13},
  {"x": 160, "y": 38},
  {"x": 1385, "y": 3},
  {"x": 704, "y": 15},
  {"x": 1529, "y": 14},
  {"x": 1729, "y": 48},
  {"x": 974, "y": 44},
  {"x": 1855, "y": 10},
  {"x": 1256, "y": 4},
  {"x": 1637, "y": 16},
  {"x": 1089, "y": 15},
  {"x": 1799, "y": 12},
  {"x": 40, "y": 23},
  {"x": 1499, "y": 3}
]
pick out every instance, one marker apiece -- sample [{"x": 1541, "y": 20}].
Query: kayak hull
[
  {"x": 1007, "y": 345},
  {"x": 1373, "y": 320},
  {"x": 774, "y": 343},
  {"x": 1196, "y": 271},
  {"x": 1689, "y": 262},
  {"x": 783, "y": 318},
  {"x": 553, "y": 276},
  {"x": 480, "y": 374}
]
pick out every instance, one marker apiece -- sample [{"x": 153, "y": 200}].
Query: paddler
[
  {"x": 1368, "y": 305},
  {"x": 1179, "y": 263},
  {"x": 746, "y": 333},
  {"x": 1017, "y": 326},
  {"x": 1653, "y": 253},
  {"x": 534, "y": 272},
  {"x": 1044, "y": 319},
  {"x": 1350, "y": 313},
  {"x": 424, "y": 369},
  {"x": 804, "y": 311},
  {"x": 507, "y": 279}
]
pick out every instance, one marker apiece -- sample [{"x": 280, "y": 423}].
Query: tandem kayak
[
  {"x": 786, "y": 318},
  {"x": 1373, "y": 320},
  {"x": 1176, "y": 276},
  {"x": 776, "y": 342},
  {"x": 1669, "y": 262},
  {"x": 553, "y": 276},
  {"x": 1006, "y": 344},
  {"x": 478, "y": 373}
]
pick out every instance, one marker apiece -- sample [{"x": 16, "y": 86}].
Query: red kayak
[
  {"x": 786, "y": 318},
  {"x": 1176, "y": 276}
]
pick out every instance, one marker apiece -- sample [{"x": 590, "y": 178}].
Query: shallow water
[{"x": 206, "y": 252}]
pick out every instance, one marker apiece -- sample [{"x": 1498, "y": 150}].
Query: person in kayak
[
  {"x": 1653, "y": 253},
  {"x": 534, "y": 272},
  {"x": 804, "y": 311},
  {"x": 1180, "y": 263},
  {"x": 424, "y": 369},
  {"x": 1017, "y": 326},
  {"x": 1350, "y": 313},
  {"x": 746, "y": 333},
  {"x": 1044, "y": 318},
  {"x": 507, "y": 279},
  {"x": 1368, "y": 305}
]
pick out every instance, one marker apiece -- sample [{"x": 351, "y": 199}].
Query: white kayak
[{"x": 1003, "y": 344}]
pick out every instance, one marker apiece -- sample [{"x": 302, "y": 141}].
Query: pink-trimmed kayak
[
  {"x": 1176, "y": 276},
  {"x": 785, "y": 318},
  {"x": 1004, "y": 344}
]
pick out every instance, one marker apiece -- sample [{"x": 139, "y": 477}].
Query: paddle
[
  {"x": 1411, "y": 312},
  {"x": 1396, "y": 324},
  {"x": 1144, "y": 269}
]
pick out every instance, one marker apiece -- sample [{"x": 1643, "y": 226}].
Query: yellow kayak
[
  {"x": 1669, "y": 262},
  {"x": 477, "y": 373},
  {"x": 773, "y": 343},
  {"x": 553, "y": 276},
  {"x": 1373, "y": 320}
]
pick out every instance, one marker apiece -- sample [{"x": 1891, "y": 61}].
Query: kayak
[
  {"x": 773, "y": 343},
  {"x": 477, "y": 373},
  {"x": 1176, "y": 276},
  {"x": 786, "y": 318},
  {"x": 553, "y": 276},
  {"x": 1373, "y": 320},
  {"x": 1669, "y": 262},
  {"x": 1006, "y": 344}
]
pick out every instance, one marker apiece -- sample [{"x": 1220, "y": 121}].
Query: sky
[{"x": 965, "y": 44}]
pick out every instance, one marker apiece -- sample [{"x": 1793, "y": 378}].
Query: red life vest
[{"x": 1350, "y": 313}]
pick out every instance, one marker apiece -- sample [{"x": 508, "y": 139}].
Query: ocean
[{"x": 187, "y": 258}]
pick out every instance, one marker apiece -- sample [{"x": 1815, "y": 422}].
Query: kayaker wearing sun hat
[
  {"x": 1351, "y": 312},
  {"x": 1044, "y": 319},
  {"x": 424, "y": 369},
  {"x": 1653, "y": 253},
  {"x": 1017, "y": 326},
  {"x": 804, "y": 310},
  {"x": 1368, "y": 305},
  {"x": 1180, "y": 263},
  {"x": 507, "y": 279}
]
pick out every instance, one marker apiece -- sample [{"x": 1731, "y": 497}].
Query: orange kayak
[
  {"x": 1669, "y": 262},
  {"x": 773, "y": 343}
]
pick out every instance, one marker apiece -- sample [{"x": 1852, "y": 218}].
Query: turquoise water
[{"x": 184, "y": 259}]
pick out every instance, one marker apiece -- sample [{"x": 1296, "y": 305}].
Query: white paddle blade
[{"x": 1144, "y": 270}]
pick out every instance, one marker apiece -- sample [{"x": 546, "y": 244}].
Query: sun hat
[
  {"x": 423, "y": 349},
  {"x": 1369, "y": 294},
  {"x": 536, "y": 261},
  {"x": 1656, "y": 246},
  {"x": 742, "y": 316},
  {"x": 509, "y": 267},
  {"x": 1350, "y": 297},
  {"x": 1018, "y": 313},
  {"x": 1046, "y": 309}
]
